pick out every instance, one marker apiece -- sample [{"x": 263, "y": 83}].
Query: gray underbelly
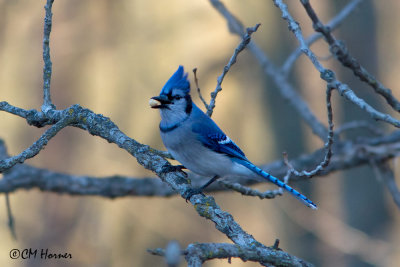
[{"x": 199, "y": 159}]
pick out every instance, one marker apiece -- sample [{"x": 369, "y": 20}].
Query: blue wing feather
[
  {"x": 211, "y": 136},
  {"x": 214, "y": 138}
]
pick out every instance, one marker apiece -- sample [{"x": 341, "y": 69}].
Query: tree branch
[
  {"x": 198, "y": 253},
  {"x": 333, "y": 24},
  {"x": 247, "y": 191},
  {"x": 37, "y": 146},
  {"x": 328, "y": 75},
  {"x": 346, "y": 154},
  {"x": 47, "y": 69},
  {"x": 340, "y": 51},
  {"x": 328, "y": 145},
  {"x": 245, "y": 41},
  {"x": 285, "y": 88},
  {"x": 98, "y": 125}
]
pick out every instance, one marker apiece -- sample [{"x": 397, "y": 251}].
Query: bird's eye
[{"x": 177, "y": 97}]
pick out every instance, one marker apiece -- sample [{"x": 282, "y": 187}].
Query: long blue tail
[{"x": 276, "y": 181}]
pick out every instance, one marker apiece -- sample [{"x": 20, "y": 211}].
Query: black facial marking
[{"x": 188, "y": 108}]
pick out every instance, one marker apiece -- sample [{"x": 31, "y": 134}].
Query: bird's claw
[
  {"x": 193, "y": 191},
  {"x": 175, "y": 168}
]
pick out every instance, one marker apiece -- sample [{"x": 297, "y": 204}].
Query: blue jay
[{"x": 198, "y": 143}]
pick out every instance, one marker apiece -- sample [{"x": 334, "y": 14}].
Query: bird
[{"x": 197, "y": 142}]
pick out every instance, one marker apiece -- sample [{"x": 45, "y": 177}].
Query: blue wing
[{"x": 211, "y": 136}]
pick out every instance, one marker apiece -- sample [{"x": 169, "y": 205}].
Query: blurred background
[{"x": 112, "y": 56}]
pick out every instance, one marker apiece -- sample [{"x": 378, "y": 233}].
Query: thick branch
[
  {"x": 197, "y": 254},
  {"x": 346, "y": 154},
  {"x": 28, "y": 177},
  {"x": 98, "y": 125}
]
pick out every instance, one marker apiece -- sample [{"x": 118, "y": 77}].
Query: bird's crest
[{"x": 177, "y": 81}]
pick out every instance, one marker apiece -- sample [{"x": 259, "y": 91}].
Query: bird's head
[{"x": 174, "y": 97}]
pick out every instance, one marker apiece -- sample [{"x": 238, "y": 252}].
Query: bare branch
[
  {"x": 245, "y": 41},
  {"x": 98, "y": 125},
  {"x": 37, "y": 146},
  {"x": 285, "y": 88},
  {"x": 328, "y": 75},
  {"x": 28, "y": 177},
  {"x": 196, "y": 81},
  {"x": 328, "y": 144},
  {"x": 247, "y": 191},
  {"x": 295, "y": 28},
  {"x": 347, "y": 93},
  {"x": 346, "y": 154},
  {"x": 198, "y": 253},
  {"x": 33, "y": 117},
  {"x": 246, "y": 247},
  {"x": 47, "y": 69},
  {"x": 341, "y": 52},
  {"x": 333, "y": 24}
]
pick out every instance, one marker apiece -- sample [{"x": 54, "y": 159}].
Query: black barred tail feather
[{"x": 278, "y": 182}]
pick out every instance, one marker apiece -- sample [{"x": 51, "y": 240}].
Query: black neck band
[{"x": 167, "y": 129}]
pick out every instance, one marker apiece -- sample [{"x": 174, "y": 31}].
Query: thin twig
[
  {"x": 11, "y": 221},
  {"x": 47, "y": 69},
  {"x": 196, "y": 81},
  {"x": 328, "y": 145},
  {"x": 242, "y": 45},
  {"x": 247, "y": 191}
]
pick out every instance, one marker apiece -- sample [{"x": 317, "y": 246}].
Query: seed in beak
[{"x": 153, "y": 103}]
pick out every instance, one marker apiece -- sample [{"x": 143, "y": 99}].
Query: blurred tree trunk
[{"x": 363, "y": 194}]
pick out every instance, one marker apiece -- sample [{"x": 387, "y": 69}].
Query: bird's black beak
[{"x": 160, "y": 101}]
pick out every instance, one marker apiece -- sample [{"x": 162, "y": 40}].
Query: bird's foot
[
  {"x": 193, "y": 191},
  {"x": 175, "y": 168}
]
